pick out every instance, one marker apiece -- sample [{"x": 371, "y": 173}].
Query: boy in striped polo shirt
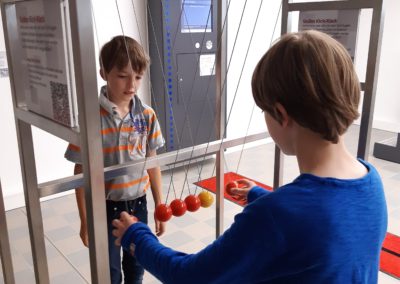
[{"x": 130, "y": 131}]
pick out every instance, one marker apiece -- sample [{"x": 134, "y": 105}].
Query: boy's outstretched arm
[
  {"x": 232, "y": 258},
  {"x": 80, "y": 201},
  {"x": 156, "y": 189}
]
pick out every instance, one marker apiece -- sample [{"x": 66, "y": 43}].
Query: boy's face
[{"x": 122, "y": 84}]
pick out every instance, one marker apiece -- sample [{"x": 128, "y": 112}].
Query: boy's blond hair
[
  {"x": 119, "y": 51},
  {"x": 313, "y": 77}
]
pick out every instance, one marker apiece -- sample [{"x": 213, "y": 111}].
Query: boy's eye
[{"x": 138, "y": 77}]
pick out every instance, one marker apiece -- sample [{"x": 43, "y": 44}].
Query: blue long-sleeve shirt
[{"x": 313, "y": 230}]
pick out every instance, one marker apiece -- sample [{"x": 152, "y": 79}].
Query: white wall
[
  {"x": 240, "y": 100},
  {"x": 50, "y": 161},
  {"x": 387, "y": 105}
]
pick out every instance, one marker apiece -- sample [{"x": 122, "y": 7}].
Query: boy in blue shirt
[
  {"x": 328, "y": 225},
  {"x": 130, "y": 131}
]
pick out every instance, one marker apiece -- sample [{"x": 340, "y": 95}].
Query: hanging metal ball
[
  {"x": 178, "y": 207},
  {"x": 193, "y": 203},
  {"x": 206, "y": 199},
  {"x": 163, "y": 212}
]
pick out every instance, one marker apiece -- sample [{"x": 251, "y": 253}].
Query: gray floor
[{"x": 68, "y": 259}]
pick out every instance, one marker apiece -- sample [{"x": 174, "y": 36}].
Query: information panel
[
  {"x": 39, "y": 53},
  {"x": 340, "y": 24},
  {"x": 196, "y": 16}
]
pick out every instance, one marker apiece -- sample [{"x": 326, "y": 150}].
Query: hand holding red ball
[
  {"x": 229, "y": 186},
  {"x": 239, "y": 189}
]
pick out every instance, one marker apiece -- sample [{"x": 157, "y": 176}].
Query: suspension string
[
  {"x": 173, "y": 117},
  {"x": 130, "y": 64},
  {"x": 151, "y": 84},
  {"x": 228, "y": 68},
  {"x": 171, "y": 183},
  {"x": 148, "y": 69},
  {"x": 185, "y": 107},
  {"x": 254, "y": 104},
  {"x": 225, "y": 82},
  {"x": 240, "y": 77},
  {"x": 165, "y": 86},
  {"x": 187, "y": 168},
  {"x": 186, "y": 118}
]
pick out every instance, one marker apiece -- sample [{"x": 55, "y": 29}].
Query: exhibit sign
[
  {"x": 340, "y": 24},
  {"x": 38, "y": 41}
]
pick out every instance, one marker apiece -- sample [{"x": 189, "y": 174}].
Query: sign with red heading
[
  {"x": 38, "y": 38},
  {"x": 340, "y": 24}
]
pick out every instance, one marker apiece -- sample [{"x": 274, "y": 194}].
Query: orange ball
[{"x": 206, "y": 199}]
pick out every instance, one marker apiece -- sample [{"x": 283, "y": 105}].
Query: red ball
[
  {"x": 192, "y": 202},
  {"x": 178, "y": 207},
  {"x": 230, "y": 185},
  {"x": 163, "y": 212}
]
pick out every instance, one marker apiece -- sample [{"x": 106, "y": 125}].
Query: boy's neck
[
  {"x": 123, "y": 107},
  {"x": 325, "y": 159}
]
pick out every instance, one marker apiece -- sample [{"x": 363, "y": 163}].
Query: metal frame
[
  {"x": 86, "y": 88},
  {"x": 220, "y": 115},
  {"x": 91, "y": 142},
  {"x": 370, "y": 84},
  {"x": 5, "y": 252},
  {"x": 388, "y": 152}
]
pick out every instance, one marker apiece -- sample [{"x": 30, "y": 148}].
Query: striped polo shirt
[{"x": 125, "y": 140}]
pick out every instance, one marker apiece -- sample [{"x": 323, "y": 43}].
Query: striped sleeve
[
  {"x": 73, "y": 154},
  {"x": 155, "y": 137}
]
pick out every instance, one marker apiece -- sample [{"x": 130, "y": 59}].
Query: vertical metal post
[
  {"x": 5, "y": 252},
  {"x": 278, "y": 156},
  {"x": 371, "y": 80},
  {"x": 32, "y": 201},
  {"x": 278, "y": 168},
  {"x": 221, "y": 123},
  {"x": 29, "y": 179},
  {"x": 286, "y": 18},
  {"x": 91, "y": 143}
]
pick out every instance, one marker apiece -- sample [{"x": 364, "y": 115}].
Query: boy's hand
[
  {"x": 240, "y": 192},
  {"x": 121, "y": 225},
  {"x": 160, "y": 226},
  {"x": 84, "y": 235}
]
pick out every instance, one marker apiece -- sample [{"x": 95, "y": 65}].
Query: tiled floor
[{"x": 68, "y": 259}]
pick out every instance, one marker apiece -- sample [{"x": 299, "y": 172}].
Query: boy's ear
[
  {"x": 282, "y": 113},
  {"x": 103, "y": 74}
]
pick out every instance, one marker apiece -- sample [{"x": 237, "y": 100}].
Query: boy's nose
[{"x": 132, "y": 84}]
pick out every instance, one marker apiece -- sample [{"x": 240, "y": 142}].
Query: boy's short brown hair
[
  {"x": 313, "y": 77},
  {"x": 119, "y": 51}
]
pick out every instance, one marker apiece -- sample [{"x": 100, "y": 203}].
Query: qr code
[{"x": 60, "y": 102}]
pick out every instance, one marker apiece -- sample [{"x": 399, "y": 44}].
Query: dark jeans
[{"x": 133, "y": 271}]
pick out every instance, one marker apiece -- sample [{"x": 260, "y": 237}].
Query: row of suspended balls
[
  {"x": 192, "y": 203},
  {"x": 178, "y": 207}
]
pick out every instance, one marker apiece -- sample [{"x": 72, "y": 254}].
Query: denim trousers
[{"x": 132, "y": 270}]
